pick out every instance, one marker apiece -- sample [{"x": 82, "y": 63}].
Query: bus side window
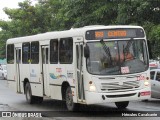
[
  {"x": 66, "y": 51},
  {"x": 26, "y": 53},
  {"x": 35, "y": 52},
  {"x": 54, "y": 51},
  {"x": 10, "y": 54}
]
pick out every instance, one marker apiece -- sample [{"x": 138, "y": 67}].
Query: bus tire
[
  {"x": 28, "y": 93},
  {"x": 122, "y": 105},
  {"x": 71, "y": 106}
]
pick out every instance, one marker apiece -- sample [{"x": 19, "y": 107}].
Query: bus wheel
[
  {"x": 122, "y": 105},
  {"x": 30, "y": 99},
  {"x": 71, "y": 106}
]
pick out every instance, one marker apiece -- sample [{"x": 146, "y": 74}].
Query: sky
[{"x": 9, "y": 4}]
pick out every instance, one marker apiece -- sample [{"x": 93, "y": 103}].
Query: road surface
[{"x": 53, "y": 109}]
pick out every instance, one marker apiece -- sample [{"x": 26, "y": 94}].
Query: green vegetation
[{"x": 53, "y": 15}]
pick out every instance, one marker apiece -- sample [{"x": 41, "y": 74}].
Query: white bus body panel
[
  {"x": 25, "y": 72},
  {"x": 59, "y": 73},
  {"x": 11, "y": 77},
  {"x": 35, "y": 80},
  {"x": 95, "y": 98},
  {"x": 128, "y": 95}
]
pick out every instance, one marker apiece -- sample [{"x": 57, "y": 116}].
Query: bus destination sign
[{"x": 114, "y": 33}]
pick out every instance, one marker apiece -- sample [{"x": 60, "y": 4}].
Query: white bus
[{"x": 88, "y": 65}]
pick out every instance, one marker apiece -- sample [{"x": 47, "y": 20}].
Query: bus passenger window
[
  {"x": 66, "y": 51},
  {"x": 54, "y": 51},
  {"x": 10, "y": 54},
  {"x": 26, "y": 53},
  {"x": 34, "y": 52}
]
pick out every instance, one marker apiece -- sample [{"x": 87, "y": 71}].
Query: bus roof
[{"x": 73, "y": 32}]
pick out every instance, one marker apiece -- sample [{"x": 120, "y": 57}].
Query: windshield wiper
[
  {"x": 126, "y": 49},
  {"x": 107, "y": 51},
  {"x": 129, "y": 43}
]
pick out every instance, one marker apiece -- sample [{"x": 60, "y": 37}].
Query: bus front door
[
  {"x": 45, "y": 70},
  {"x": 80, "y": 82},
  {"x": 18, "y": 61}
]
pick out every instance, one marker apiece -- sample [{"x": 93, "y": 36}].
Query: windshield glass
[{"x": 117, "y": 57}]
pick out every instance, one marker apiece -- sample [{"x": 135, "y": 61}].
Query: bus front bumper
[{"x": 94, "y": 97}]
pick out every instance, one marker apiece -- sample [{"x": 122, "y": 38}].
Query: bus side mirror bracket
[{"x": 86, "y": 51}]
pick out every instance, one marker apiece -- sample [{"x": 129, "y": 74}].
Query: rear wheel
[
  {"x": 122, "y": 105},
  {"x": 28, "y": 93},
  {"x": 71, "y": 106}
]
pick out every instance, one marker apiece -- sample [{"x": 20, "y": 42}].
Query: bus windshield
[{"x": 117, "y": 57}]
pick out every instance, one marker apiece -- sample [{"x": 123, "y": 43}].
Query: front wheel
[
  {"x": 122, "y": 105},
  {"x": 71, "y": 106},
  {"x": 28, "y": 93}
]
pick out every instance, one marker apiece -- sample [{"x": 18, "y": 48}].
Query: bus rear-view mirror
[{"x": 86, "y": 51}]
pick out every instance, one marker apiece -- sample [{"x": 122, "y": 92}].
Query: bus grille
[{"x": 115, "y": 86}]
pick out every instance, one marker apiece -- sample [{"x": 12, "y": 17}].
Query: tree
[
  {"x": 154, "y": 37},
  {"x": 80, "y": 13}
]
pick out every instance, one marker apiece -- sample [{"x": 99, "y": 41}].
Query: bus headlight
[
  {"x": 146, "y": 83},
  {"x": 92, "y": 87}
]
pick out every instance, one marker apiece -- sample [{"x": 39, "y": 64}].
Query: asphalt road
[{"x": 53, "y": 109}]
